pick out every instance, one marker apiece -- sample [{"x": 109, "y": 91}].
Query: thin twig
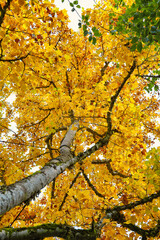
[
  {"x": 64, "y": 199},
  {"x": 91, "y": 185},
  {"x": 108, "y": 164}
]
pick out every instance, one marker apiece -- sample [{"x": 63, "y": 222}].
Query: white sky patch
[{"x": 73, "y": 16}]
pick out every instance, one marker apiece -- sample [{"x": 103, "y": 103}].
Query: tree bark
[
  {"x": 47, "y": 230},
  {"x": 28, "y": 187}
]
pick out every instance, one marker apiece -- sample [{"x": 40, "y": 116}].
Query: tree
[
  {"x": 140, "y": 21},
  {"x": 83, "y": 121}
]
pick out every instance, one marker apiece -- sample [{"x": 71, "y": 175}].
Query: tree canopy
[
  {"x": 81, "y": 161},
  {"x": 141, "y": 23}
]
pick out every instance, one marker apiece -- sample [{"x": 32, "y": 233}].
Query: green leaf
[
  {"x": 94, "y": 29},
  {"x": 85, "y": 33},
  {"x": 71, "y": 4},
  {"x": 145, "y": 39},
  {"x": 150, "y": 38},
  {"x": 134, "y": 39},
  {"x": 147, "y": 90},
  {"x": 133, "y": 47},
  {"x": 111, "y": 15},
  {"x": 97, "y": 34},
  {"x": 136, "y": 15},
  {"x": 86, "y": 17},
  {"x": 139, "y": 47},
  {"x": 84, "y": 28},
  {"x": 90, "y": 38},
  {"x": 78, "y": 6},
  {"x": 156, "y": 88},
  {"x": 153, "y": 29},
  {"x": 94, "y": 40},
  {"x": 150, "y": 86},
  {"x": 155, "y": 209},
  {"x": 79, "y": 24},
  {"x": 75, "y": 2},
  {"x": 113, "y": 31}
]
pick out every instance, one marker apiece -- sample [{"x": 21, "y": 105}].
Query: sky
[{"x": 73, "y": 15}]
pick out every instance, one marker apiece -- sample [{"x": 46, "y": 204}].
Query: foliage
[
  {"x": 141, "y": 22},
  {"x": 55, "y": 76},
  {"x": 138, "y": 21}
]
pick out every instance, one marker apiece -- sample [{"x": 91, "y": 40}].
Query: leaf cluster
[
  {"x": 92, "y": 32},
  {"x": 73, "y": 5},
  {"x": 140, "y": 23}
]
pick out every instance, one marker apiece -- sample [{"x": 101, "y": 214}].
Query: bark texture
[
  {"x": 28, "y": 187},
  {"x": 47, "y": 230}
]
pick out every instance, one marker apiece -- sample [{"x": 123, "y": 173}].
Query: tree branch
[
  {"x": 114, "y": 98},
  {"x": 140, "y": 202},
  {"x": 152, "y": 232},
  {"x": 114, "y": 215},
  {"x": 108, "y": 164},
  {"x": 66, "y": 195},
  {"x": 48, "y": 230},
  {"x": 148, "y": 76},
  {"x": 24, "y": 189},
  {"x": 53, "y": 189},
  {"x": 38, "y": 123},
  {"x": 104, "y": 68},
  {"x": 3, "y": 11},
  {"x": 91, "y": 185},
  {"x": 49, "y": 144},
  {"x": 14, "y": 59},
  {"x": 68, "y": 84},
  {"x": 120, "y": 218},
  {"x": 111, "y": 212},
  {"x": 94, "y": 133}
]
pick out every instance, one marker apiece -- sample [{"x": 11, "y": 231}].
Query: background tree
[
  {"x": 141, "y": 25},
  {"x": 83, "y": 121},
  {"x": 138, "y": 22}
]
